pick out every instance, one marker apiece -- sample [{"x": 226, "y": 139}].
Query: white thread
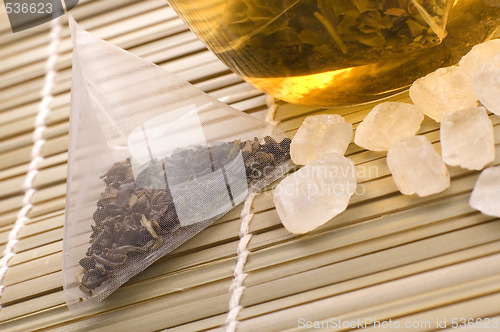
[
  {"x": 242, "y": 252},
  {"x": 271, "y": 110},
  {"x": 38, "y": 142},
  {"x": 236, "y": 288}
]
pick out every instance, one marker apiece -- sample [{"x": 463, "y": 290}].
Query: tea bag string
[
  {"x": 242, "y": 252},
  {"x": 38, "y": 142},
  {"x": 271, "y": 110},
  {"x": 237, "y": 288}
]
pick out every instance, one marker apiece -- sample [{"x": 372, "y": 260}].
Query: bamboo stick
[
  {"x": 47, "y": 301},
  {"x": 16, "y": 123},
  {"x": 199, "y": 325},
  {"x": 153, "y": 309},
  {"x": 64, "y": 76},
  {"x": 438, "y": 243},
  {"x": 27, "y": 139},
  {"x": 23, "y": 290},
  {"x": 10, "y": 204},
  {"x": 422, "y": 302},
  {"x": 286, "y": 112},
  {"x": 19, "y": 127},
  {"x": 370, "y": 210},
  {"x": 206, "y": 238},
  {"x": 203, "y": 70},
  {"x": 33, "y": 72},
  {"x": 317, "y": 276},
  {"x": 8, "y": 218},
  {"x": 371, "y": 232},
  {"x": 485, "y": 306},
  {"x": 86, "y": 9},
  {"x": 425, "y": 244},
  {"x": 50, "y": 176},
  {"x": 47, "y": 207},
  {"x": 12, "y": 186},
  {"x": 53, "y": 160},
  {"x": 364, "y": 298},
  {"x": 128, "y": 23},
  {"x": 49, "y": 193},
  {"x": 30, "y": 109},
  {"x": 182, "y": 40},
  {"x": 39, "y": 240},
  {"x": 218, "y": 82},
  {"x": 239, "y": 92},
  {"x": 12, "y": 155},
  {"x": 27, "y": 272},
  {"x": 265, "y": 220},
  {"x": 40, "y": 227},
  {"x": 4, "y": 235},
  {"x": 371, "y": 280},
  {"x": 26, "y": 74},
  {"x": 256, "y": 221},
  {"x": 35, "y": 253},
  {"x": 380, "y": 240}
]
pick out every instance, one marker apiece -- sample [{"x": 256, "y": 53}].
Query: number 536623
[{"x": 28, "y": 8}]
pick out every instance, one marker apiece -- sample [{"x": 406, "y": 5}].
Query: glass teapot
[{"x": 338, "y": 52}]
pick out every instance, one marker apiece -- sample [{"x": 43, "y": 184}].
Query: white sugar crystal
[
  {"x": 467, "y": 138},
  {"x": 316, "y": 193},
  {"x": 479, "y": 55},
  {"x": 319, "y": 135},
  {"x": 486, "y": 194},
  {"x": 487, "y": 85},
  {"x": 387, "y": 123},
  {"x": 416, "y": 167},
  {"x": 444, "y": 91}
]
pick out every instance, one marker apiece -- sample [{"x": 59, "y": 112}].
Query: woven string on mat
[
  {"x": 237, "y": 288},
  {"x": 38, "y": 142}
]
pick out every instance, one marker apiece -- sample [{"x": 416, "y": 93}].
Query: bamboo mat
[{"x": 412, "y": 260}]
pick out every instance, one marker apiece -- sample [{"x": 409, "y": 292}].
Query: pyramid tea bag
[{"x": 152, "y": 162}]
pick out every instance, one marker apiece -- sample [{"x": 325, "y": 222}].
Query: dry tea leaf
[
  {"x": 131, "y": 220},
  {"x": 295, "y": 36},
  {"x": 132, "y": 201}
]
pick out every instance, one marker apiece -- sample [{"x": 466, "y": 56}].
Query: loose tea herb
[
  {"x": 133, "y": 220},
  {"x": 296, "y": 36}
]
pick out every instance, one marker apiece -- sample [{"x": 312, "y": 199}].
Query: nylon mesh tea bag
[{"x": 152, "y": 162}]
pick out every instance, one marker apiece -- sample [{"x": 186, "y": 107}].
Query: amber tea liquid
[{"x": 335, "y": 53}]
